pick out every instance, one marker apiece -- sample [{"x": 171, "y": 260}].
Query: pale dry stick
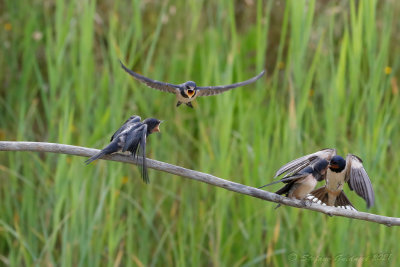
[{"x": 199, "y": 176}]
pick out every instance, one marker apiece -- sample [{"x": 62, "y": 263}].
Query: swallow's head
[
  {"x": 320, "y": 166},
  {"x": 337, "y": 164},
  {"x": 189, "y": 89},
  {"x": 153, "y": 125}
]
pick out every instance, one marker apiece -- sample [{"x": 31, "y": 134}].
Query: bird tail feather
[
  {"x": 97, "y": 156},
  {"x": 320, "y": 195},
  {"x": 343, "y": 202},
  {"x": 284, "y": 190}
]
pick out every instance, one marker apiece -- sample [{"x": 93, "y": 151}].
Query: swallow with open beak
[
  {"x": 300, "y": 184},
  {"x": 188, "y": 91},
  {"x": 131, "y": 136},
  {"x": 340, "y": 171}
]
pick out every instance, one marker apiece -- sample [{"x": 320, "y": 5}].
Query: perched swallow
[
  {"x": 131, "y": 137},
  {"x": 339, "y": 171},
  {"x": 188, "y": 91},
  {"x": 300, "y": 184}
]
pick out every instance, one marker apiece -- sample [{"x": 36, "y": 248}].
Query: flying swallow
[
  {"x": 131, "y": 136},
  {"x": 339, "y": 171},
  {"x": 300, "y": 184},
  {"x": 188, "y": 91}
]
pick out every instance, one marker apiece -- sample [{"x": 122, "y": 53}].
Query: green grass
[{"x": 331, "y": 81}]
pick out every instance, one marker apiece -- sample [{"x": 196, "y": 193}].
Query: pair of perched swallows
[
  {"x": 338, "y": 172},
  {"x": 188, "y": 91},
  {"x": 301, "y": 183},
  {"x": 131, "y": 137}
]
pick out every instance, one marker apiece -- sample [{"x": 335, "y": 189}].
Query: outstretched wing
[
  {"x": 165, "y": 87},
  {"x": 131, "y": 120},
  {"x": 298, "y": 164},
  {"x": 358, "y": 179},
  {"x": 214, "y": 90}
]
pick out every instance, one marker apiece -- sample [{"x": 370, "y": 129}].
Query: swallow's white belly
[
  {"x": 334, "y": 180},
  {"x": 304, "y": 187},
  {"x": 182, "y": 99}
]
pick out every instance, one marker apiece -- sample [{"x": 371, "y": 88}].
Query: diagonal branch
[{"x": 199, "y": 176}]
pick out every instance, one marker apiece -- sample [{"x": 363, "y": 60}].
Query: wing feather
[
  {"x": 162, "y": 86},
  {"x": 298, "y": 164},
  {"x": 214, "y": 90},
  {"x": 133, "y": 135},
  {"x": 358, "y": 179},
  {"x": 133, "y": 119},
  {"x": 136, "y": 144},
  {"x": 143, "y": 166}
]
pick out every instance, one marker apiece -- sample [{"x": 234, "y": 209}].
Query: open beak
[
  {"x": 157, "y": 128},
  {"x": 190, "y": 93}
]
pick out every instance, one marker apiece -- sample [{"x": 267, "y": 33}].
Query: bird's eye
[{"x": 188, "y": 87}]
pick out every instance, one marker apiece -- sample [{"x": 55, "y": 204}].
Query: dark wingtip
[
  {"x": 269, "y": 184},
  {"x": 122, "y": 64},
  {"x": 370, "y": 203},
  {"x": 145, "y": 175},
  {"x": 260, "y": 75}
]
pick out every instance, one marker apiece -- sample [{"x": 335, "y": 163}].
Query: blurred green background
[{"x": 331, "y": 81}]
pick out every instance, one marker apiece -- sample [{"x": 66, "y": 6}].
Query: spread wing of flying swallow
[
  {"x": 162, "y": 86},
  {"x": 177, "y": 88},
  {"x": 214, "y": 90}
]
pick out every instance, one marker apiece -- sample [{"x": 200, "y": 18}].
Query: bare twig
[{"x": 199, "y": 176}]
